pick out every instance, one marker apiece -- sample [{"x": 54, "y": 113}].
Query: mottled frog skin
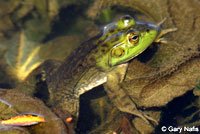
[{"x": 101, "y": 60}]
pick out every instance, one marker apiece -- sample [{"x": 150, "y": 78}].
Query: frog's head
[{"x": 125, "y": 40}]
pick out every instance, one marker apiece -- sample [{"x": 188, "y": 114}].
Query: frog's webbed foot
[
  {"x": 148, "y": 118},
  {"x": 125, "y": 104},
  {"x": 132, "y": 109},
  {"x": 163, "y": 32},
  {"x": 159, "y": 38}
]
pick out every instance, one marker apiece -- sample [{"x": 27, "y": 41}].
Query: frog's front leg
[{"x": 119, "y": 96}]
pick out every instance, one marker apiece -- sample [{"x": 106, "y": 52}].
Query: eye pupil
[{"x": 135, "y": 37}]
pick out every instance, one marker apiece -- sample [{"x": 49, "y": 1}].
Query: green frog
[{"x": 101, "y": 60}]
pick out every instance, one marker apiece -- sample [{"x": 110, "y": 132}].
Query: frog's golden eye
[
  {"x": 118, "y": 52},
  {"x": 133, "y": 38}
]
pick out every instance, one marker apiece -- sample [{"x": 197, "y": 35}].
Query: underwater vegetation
[{"x": 163, "y": 81}]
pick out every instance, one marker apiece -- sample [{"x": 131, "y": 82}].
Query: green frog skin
[{"x": 101, "y": 60}]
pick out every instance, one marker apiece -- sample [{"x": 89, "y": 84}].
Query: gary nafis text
[{"x": 180, "y": 129}]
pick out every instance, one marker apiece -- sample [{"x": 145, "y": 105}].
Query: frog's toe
[
  {"x": 163, "y": 32},
  {"x": 161, "y": 40},
  {"x": 146, "y": 118},
  {"x": 151, "y": 119},
  {"x": 166, "y": 31}
]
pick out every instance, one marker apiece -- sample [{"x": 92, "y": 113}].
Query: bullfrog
[{"x": 101, "y": 60}]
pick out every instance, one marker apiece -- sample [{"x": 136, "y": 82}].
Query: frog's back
[{"x": 74, "y": 66}]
